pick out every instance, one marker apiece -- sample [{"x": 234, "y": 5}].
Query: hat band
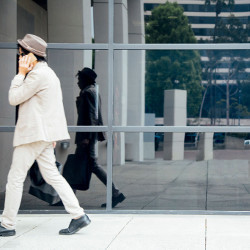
[{"x": 41, "y": 52}]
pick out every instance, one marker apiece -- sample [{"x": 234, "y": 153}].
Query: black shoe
[
  {"x": 76, "y": 225},
  {"x": 4, "y": 232},
  {"x": 115, "y": 200}
]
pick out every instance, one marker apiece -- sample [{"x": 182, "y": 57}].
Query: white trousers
[{"x": 23, "y": 158}]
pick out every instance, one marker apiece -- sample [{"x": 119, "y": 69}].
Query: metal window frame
[{"x": 111, "y": 47}]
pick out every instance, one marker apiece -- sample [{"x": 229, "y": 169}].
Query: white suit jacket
[{"x": 41, "y": 114}]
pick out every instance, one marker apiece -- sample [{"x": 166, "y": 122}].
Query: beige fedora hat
[{"x": 34, "y": 44}]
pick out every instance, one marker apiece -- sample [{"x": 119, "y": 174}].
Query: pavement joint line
[
  {"x": 119, "y": 232},
  {"x": 244, "y": 185},
  {"x": 18, "y": 236}
]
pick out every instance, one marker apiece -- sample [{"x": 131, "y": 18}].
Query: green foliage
[
  {"x": 168, "y": 24},
  {"x": 238, "y": 110},
  {"x": 231, "y": 31},
  {"x": 220, "y": 5},
  {"x": 171, "y": 69}
]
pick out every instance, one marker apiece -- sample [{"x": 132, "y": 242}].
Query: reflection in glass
[
  {"x": 7, "y": 71},
  {"x": 216, "y": 83},
  {"x": 89, "y": 114},
  {"x": 66, "y": 64},
  {"x": 211, "y": 176},
  {"x": 46, "y": 19},
  {"x": 185, "y": 22},
  {"x": 93, "y": 198}
]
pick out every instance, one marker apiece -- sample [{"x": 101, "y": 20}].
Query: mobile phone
[{"x": 32, "y": 57}]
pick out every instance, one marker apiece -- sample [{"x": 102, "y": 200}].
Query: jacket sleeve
[{"x": 23, "y": 89}]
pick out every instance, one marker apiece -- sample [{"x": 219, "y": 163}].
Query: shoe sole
[
  {"x": 73, "y": 232},
  {"x": 7, "y": 234}
]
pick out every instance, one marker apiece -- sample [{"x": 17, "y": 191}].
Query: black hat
[{"x": 87, "y": 72}]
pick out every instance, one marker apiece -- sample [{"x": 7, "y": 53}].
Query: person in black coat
[{"x": 88, "y": 105}]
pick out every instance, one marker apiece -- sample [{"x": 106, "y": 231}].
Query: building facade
[{"x": 109, "y": 36}]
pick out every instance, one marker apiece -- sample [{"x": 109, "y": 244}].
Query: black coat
[{"x": 86, "y": 104}]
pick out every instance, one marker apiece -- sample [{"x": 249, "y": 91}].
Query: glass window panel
[
  {"x": 179, "y": 174},
  {"x": 66, "y": 64},
  {"x": 6, "y": 149},
  {"x": 93, "y": 198},
  {"x": 86, "y": 22},
  {"x": 195, "y": 22},
  {"x": 153, "y": 82},
  {"x": 7, "y": 72}
]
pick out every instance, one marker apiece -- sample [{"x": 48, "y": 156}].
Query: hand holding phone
[{"x": 25, "y": 64}]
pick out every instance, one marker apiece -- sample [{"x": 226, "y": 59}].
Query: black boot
[{"x": 115, "y": 200}]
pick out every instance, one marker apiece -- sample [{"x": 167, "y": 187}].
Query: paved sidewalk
[{"x": 118, "y": 232}]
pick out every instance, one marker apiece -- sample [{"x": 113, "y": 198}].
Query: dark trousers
[{"x": 95, "y": 168}]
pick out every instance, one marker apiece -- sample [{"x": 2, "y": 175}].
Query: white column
[
  {"x": 120, "y": 71},
  {"x": 175, "y": 114},
  {"x": 69, "y": 23},
  {"x": 8, "y": 33},
  {"x": 205, "y": 147},
  {"x": 136, "y": 81}
]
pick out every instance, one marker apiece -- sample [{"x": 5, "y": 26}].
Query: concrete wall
[{"x": 8, "y": 31}]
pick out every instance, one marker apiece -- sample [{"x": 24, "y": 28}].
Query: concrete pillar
[
  {"x": 136, "y": 81},
  {"x": 8, "y": 33},
  {"x": 149, "y": 138},
  {"x": 69, "y": 23},
  {"x": 120, "y": 71},
  {"x": 205, "y": 147},
  {"x": 32, "y": 19},
  {"x": 175, "y": 114},
  {"x": 17, "y": 18}
]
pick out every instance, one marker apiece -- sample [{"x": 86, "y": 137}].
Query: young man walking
[{"x": 41, "y": 122}]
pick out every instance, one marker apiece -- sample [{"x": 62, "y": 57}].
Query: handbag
[
  {"x": 41, "y": 189},
  {"x": 77, "y": 171}
]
